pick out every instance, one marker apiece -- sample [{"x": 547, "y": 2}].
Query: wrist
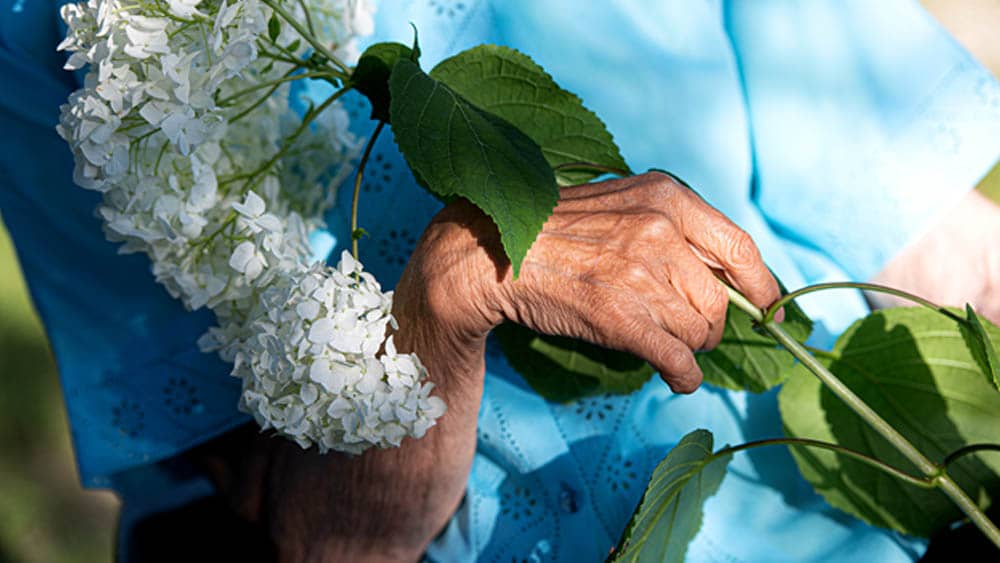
[{"x": 456, "y": 277}]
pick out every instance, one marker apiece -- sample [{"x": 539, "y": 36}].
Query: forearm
[
  {"x": 384, "y": 505},
  {"x": 387, "y": 504},
  {"x": 614, "y": 265}
]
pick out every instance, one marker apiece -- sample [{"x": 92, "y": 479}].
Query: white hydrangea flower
[
  {"x": 184, "y": 8},
  {"x": 312, "y": 368},
  {"x": 148, "y": 131},
  {"x": 253, "y": 215},
  {"x": 146, "y": 36}
]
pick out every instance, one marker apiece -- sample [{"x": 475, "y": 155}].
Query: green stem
[
  {"x": 246, "y": 111},
  {"x": 970, "y": 449},
  {"x": 159, "y": 157},
  {"x": 144, "y": 136},
  {"x": 229, "y": 220},
  {"x": 924, "y": 483},
  {"x": 785, "y": 299},
  {"x": 276, "y": 82},
  {"x": 278, "y": 56},
  {"x": 289, "y": 141},
  {"x": 309, "y": 37},
  {"x": 872, "y": 418},
  {"x": 357, "y": 188},
  {"x": 309, "y": 20},
  {"x": 204, "y": 41},
  {"x": 822, "y": 353}
]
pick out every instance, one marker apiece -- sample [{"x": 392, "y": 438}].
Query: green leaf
[
  {"x": 749, "y": 360},
  {"x": 564, "y": 369},
  {"x": 978, "y": 339},
  {"x": 274, "y": 27},
  {"x": 510, "y": 85},
  {"x": 912, "y": 366},
  {"x": 458, "y": 149},
  {"x": 371, "y": 75},
  {"x": 670, "y": 512}
]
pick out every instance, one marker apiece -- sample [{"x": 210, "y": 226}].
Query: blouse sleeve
[{"x": 867, "y": 120}]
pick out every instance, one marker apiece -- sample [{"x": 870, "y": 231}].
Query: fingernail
[{"x": 779, "y": 317}]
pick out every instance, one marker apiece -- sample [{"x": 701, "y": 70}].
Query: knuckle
[
  {"x": 660, "y": 180},
  {"x": 681, "y": 360},
  {"x": 743, "y": 251},
  {"x": 694, "y": 332},
  {"x": 651, "y": 188},
  {"x": 633, "y": 273},
  {"x": 655, "y": 227},
  {"x": 665, "y": 186},
  {"x": 716, "y": 303},
  {"x": 714, "y": 339}
]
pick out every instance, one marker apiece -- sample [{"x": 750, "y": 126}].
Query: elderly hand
[
  {"x": 954, "y": 262},
  {"x": 629, "y": 264}
]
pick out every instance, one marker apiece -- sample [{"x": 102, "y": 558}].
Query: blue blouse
[{"x": 831, "y": 131}]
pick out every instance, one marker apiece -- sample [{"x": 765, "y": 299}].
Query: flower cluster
[
  {"x": 184, "y": 124},
  {"x": 312, "y": 367}
]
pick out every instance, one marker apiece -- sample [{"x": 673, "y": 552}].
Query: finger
[
  {"x": 677, "y": 366},
  {"x": 731, "y": 249},
  {"x": 624, "y": 326},
  {"x": 670, "y": 357},
  {"x": 675, "y": 315},
  {"x": 698, "y": 285},
  {"x": 779, "y": 315},
  {"x": 648, "y": 289}
]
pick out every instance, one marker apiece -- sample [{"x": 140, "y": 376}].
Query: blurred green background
[{"x": 44, "y": 514}]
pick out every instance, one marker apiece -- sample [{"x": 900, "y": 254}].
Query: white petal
[
  {"x": 308, "y": 394},
  {"x": 435, "y": 407},
  {"x": 348, "y": 264},
  {"x": 321, "y": 332},
  {"x": 204, "y": 189},
  {"x": 339, "y": 408},
  {"x": 252, "y": 207},
  {"x": 308, "y": 309},
  {"x": 254, "y": 267},
  {"x": 349, "y": 341},
  {"x": 319, "y": 372},
  {"x": 242, "y": 256},
  {"x": 269, "y": 222}
]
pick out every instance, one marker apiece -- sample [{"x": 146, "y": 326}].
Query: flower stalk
[
  {"x": 355, "y": 232},
  {"x": 935, "y": 473}
]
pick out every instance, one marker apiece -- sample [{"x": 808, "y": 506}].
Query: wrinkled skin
[{"x": 629, "y": 264}]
